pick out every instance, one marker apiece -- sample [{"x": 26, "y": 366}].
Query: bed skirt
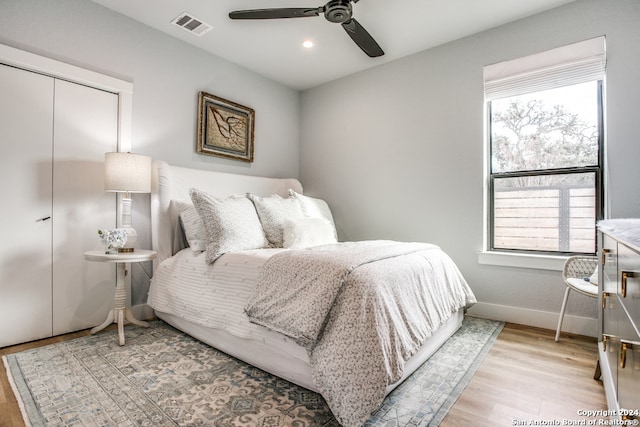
[{"x": 290, "y": 362}]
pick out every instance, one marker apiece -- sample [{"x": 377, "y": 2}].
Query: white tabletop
[{"x": 137, "y": 255}]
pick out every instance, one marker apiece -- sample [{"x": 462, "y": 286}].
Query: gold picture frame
[{"x": 225, "y": 128}]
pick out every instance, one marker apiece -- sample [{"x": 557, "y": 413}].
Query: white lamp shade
[{"x": 127, "y": 172}]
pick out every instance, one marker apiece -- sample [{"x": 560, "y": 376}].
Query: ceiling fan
[{"x": 337, "y": 11}]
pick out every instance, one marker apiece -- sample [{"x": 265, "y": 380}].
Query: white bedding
[
  {"x": 361, "y": 309},
  {"x": 214, "y": 295},
  {"x": 208, "y": 301}
]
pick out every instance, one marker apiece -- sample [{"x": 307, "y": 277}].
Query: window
[{"x": 545, "y": 138}]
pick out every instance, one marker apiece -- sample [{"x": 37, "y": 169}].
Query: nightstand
[{"x": 120, "y": 311}]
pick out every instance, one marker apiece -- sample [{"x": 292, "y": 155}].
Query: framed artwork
[{"x": 225, "y": 128}]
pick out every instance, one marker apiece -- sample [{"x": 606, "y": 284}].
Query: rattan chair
[{"x": 579, "y": 275}]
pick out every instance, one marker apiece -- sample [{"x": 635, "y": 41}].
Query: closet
[{"x": 53, "y": 136}]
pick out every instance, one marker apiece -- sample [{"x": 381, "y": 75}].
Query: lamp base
[{"x": 132, "y": 237}]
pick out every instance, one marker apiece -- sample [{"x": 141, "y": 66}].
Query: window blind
[{"x": 567, "y": 65}]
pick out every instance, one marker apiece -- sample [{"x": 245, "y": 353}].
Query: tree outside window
[{"x": 545, "y": 169}]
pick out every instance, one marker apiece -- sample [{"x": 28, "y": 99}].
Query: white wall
[
  {"x": 397, "y": 151},
  {"x": 167, "y": 75}
]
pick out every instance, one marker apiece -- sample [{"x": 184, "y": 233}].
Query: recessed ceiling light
[{"x": 307, "y": 44}]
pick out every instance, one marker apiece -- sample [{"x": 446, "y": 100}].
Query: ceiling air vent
[{"x": 191, "y": 24}]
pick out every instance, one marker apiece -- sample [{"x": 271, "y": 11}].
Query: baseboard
[
  {"x": 541, "y": 319},
  {"x": 142, "y": 312}
]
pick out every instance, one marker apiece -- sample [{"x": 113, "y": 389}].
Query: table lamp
[{"x": 127, "y": 173}]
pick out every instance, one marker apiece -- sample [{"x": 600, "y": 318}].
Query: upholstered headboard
[{"x": 173, "y": 183}]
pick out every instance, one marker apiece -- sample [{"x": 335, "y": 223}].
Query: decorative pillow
[
  {"x": 231, "y": 224},
  {"x": 315, "y": 208},
  {"x": 306, "y": 232},
  {"x": 192, "y": 226},
  {"x": 273, "y": 211}
]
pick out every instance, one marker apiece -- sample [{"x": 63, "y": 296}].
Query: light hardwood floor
[{"x": 526, "y": 376}]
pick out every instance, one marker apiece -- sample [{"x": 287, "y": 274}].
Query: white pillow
[
  {"x": 315, "y": 208},
  {"x": 231, "y": 224},
  {"x": 192, "y": 226},
  {"x": 306, "y": 232},
  {"x": 273, "y": 211}
]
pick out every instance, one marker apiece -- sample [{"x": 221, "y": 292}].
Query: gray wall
[
  {"x": 397, "y": 151},
  {"x": 167, "y": 75}
]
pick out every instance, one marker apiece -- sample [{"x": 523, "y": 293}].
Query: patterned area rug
[{"x": 165, "y": 378}]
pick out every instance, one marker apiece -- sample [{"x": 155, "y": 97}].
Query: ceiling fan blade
[
  {"x": 362, "y": 38},
  {"x": 295, "y": 12}
]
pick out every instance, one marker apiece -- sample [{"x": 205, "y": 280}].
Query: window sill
[{"x": 507, "y": 259}]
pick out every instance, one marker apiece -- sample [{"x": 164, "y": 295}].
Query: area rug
[{"x": 162, "y": 377}]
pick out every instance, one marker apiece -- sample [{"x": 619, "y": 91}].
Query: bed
[{"x": 232, "y": 300}]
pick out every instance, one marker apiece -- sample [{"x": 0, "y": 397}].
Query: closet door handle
[{"x": 44, "y": 218}]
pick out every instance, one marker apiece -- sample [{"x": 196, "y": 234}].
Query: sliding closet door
[
  {"x": 26, "y": 122},
  {"x": 85, "y": 127}
]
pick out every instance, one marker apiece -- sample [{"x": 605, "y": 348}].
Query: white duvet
[
  {"x": 361, "y": 309},
  {"x": 214, "y": 295}
]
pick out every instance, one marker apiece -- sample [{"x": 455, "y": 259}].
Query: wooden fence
[{"x": 545, "y": 219}]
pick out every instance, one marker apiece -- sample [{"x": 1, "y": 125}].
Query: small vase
[{"x": 111, "y": 250}]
